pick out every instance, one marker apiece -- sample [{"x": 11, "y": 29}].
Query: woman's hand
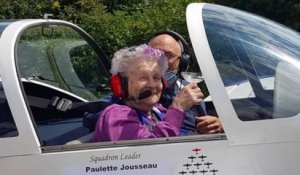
[
  {"x": 189, "y": 96},
  {"x": 208, "y": 125}
]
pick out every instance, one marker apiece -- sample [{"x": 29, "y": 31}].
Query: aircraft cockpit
[{"x": 250, "y": 66}]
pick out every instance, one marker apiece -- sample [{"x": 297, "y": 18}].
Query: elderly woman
[{"x": 137, "y": 115}]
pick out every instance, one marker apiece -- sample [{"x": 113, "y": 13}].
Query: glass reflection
[{"x": 247, "y": 49}]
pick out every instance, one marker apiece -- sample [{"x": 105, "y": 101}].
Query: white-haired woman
[{"x": 137, "y": 115}]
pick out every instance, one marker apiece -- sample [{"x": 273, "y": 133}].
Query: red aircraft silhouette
[{"x": 196, "y": 150}]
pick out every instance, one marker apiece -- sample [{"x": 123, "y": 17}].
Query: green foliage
[
  {"x": 112, "y": 5},
  {"x": 136, "y": 23},
  {"x": 22, "y": 8}
]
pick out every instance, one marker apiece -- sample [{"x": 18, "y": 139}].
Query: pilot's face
[{"x": 170, "y": 47}]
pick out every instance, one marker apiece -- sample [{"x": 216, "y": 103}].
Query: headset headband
[
  {"x": 185, "y": 50},
  {"x": 184, "y": 44}
]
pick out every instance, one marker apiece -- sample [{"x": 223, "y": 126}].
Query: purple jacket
[{"x": 121, "y": 122}]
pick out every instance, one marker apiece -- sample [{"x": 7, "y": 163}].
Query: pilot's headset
[{"x": 185, "y": 50}]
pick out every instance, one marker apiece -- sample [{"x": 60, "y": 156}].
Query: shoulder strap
[
  {"x": 63, "y": 104},
  {"x": 157, "y": 112},
  {"x": 142, "y": 116}
]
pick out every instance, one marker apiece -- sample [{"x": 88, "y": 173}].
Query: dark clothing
[{"x": 189, "y": 122}]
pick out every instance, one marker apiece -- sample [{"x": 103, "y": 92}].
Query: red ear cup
[{"x": 116, "y": 86}]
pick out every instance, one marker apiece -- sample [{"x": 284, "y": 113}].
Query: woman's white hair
[{"x": 124, "y": 58}]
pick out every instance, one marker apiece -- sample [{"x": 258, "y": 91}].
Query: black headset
[{"x": 185, "y": 49}]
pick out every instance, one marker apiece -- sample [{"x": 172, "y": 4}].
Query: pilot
[
  {"x": 176, "y": 49},
  {"x": 137, "y": 84}
]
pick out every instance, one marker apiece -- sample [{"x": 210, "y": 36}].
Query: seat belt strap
[{"x": 64, "y": 105}]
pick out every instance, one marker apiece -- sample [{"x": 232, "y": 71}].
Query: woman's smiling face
[{"x": 144, "y": 75}]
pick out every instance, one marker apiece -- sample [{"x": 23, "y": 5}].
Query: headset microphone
[{"x": 142, "y": 95}]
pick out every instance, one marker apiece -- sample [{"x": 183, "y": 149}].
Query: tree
[
  {"x": 135, "y": 24},
  {"x": 23, "y": 9}
]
